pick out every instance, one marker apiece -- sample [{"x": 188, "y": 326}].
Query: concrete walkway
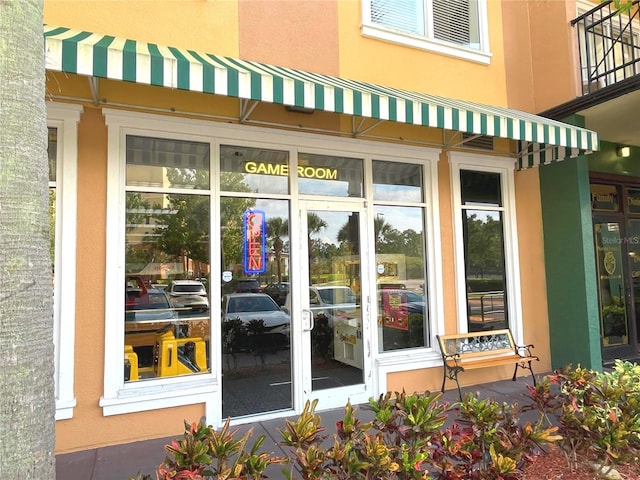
[{"x": 120, "y": 462}]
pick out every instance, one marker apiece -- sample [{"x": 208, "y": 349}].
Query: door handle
[{"x": 307, "y": 319}]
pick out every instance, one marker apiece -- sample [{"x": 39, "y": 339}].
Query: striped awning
[{"x": 541, "y": 140}]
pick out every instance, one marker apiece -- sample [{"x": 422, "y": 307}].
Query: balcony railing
[{"x": 609, "y": 42}]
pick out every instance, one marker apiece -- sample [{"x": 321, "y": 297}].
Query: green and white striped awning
[{"x": 541, "y": 140}]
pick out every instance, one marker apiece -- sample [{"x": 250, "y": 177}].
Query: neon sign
[
  {"x": 281, "y": 169},
  {"x": 255, "y": 240}
]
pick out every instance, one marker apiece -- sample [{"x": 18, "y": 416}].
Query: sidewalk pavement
[{"x": 119, "y": 462}]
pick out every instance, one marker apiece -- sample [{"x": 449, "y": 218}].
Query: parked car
[
  {"x": 148, "y": 304},
  {"x": 278, "y": 291},
  {"x": 248, "y": 285},
  {"x": 189, "y": 296},
  {"x": 253, "y": 321},
  {"x": 329, "y": 301}
]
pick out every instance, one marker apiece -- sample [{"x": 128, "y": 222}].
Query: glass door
[
  {"x": 614, "y": 252},
  {"x": 332, "y": 306}
]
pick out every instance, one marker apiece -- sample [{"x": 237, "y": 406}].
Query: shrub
[
  {"x": 598, "y": 414},
  {"x": 406, "y": 440}
]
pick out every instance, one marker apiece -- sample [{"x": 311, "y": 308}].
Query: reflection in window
[
  {"x": 330, "y": 175},
  {"x": 52, "y": 152},
  {"x": 400, "y": 257},
  {"x": 483, "y": 237},
  {"x": 160, "y": 162},
  {"x": 246, "y": 169},
  {"x": 167, "y": 242},
  {"x": 397, "y": 182}
]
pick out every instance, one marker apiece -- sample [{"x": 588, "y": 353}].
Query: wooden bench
[{"x": 466, "y": 351}]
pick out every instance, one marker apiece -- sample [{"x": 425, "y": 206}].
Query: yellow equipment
[
  {"x": 130, "y": 364},
  {"x": 172, "y": 356},
  {"x": 179, "y": 356}
]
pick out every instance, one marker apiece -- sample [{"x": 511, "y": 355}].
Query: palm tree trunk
[{"x": 27, "y": 403}]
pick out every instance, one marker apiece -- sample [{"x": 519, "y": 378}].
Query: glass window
[
  {"x": 484, "y": 255},
  {"x": 403, "y": 320},
  {"x": 397, "y": 182},
  {"x": 164, "y": 163},
  {"x": 330, "y": 175},
  {"x": 480, "y": 188},
  {"x": 255, "y": 327},
  {"x": 257, "y": 170},
  {"x": 457, "y": 22},
  {"x": 166, "y": 300}
]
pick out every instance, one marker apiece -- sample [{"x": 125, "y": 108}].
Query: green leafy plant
[
  {"x": 598, "y": 414},
  {"x": 406, "y": 440}
]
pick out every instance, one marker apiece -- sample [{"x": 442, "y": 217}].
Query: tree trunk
[{"x": 27, "y": 403}]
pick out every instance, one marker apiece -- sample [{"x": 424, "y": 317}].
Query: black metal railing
[{"x": 609, "y": 42}]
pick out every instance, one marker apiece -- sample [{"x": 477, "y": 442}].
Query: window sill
[
  {"x": 157, "y": 395},
  {"x": 409, "y": 360},
  {"x": 428, "y": 44}
]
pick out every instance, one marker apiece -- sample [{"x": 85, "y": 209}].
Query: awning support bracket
[
  {"x": 94, "y": 85},
  {"x": 358, "y": 130},
  {"x": 246, "y": 109}
]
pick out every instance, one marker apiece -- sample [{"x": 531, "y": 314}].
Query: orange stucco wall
[
  {"x": 204, "y": 25},
  {"x": 542, "y": 73},
  {"x": 301, "y": 35}
]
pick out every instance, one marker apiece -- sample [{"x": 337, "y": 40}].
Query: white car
[
  {"x": 247, "y": 307},
  {"x": 189, "y": 295}
]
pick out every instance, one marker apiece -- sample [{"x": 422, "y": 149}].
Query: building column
[{"x": 574, "y": 325}]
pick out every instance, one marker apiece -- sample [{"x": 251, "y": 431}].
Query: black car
[
  {"x": 248, "y": 285},
  {"x": 278, "y": 291}
]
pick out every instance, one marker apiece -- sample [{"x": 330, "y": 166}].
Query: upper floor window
[{"x": 451, "y": 27}]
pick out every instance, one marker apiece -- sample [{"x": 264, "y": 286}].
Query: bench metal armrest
[
  {"x": 525, "y": 350},
  {"x": 453, "y": 356}
]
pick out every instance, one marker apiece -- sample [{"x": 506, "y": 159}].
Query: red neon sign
[{"x": 255, "y": 239}]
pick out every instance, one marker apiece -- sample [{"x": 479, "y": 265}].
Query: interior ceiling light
[{"x": 623, "y": 150}]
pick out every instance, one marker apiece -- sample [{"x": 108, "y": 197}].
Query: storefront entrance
[
  {"x": 616, "y": 227},
  {"x": 307, "y": 342}
]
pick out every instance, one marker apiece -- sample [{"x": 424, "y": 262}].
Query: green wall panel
[{"x": 570, "y": 264}]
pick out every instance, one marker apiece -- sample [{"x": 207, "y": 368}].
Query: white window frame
[
  {"x": 120, "y": 397},
  {"x": 505, "y": 168},
  {"x": 64, "y": 118},
  {"x": 427, "y": 42}
]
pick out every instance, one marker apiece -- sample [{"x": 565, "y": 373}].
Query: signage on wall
[
  {"x": 604, "y": 198},
  {"x": 255, "y": 241},
  {"x": 633, "y": 200}
]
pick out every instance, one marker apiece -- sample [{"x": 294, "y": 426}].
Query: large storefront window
[
  {"x": 484, "y": 256},
  {"x": 400, "y": 256},
  {"x": 166, "y": 306}
]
